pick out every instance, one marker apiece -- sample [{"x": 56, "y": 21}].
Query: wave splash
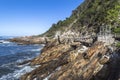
[
  {"x": 11, "y": 54},
  {"x": 17, "y": 74}
]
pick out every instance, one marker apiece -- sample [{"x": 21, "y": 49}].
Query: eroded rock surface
[{"x": 68, "y": 62}]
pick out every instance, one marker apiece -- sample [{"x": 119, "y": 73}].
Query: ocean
[{"x": 11, "y": 54}]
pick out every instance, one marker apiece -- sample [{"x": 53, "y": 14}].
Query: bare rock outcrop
[{"x": 68, "y": 62}]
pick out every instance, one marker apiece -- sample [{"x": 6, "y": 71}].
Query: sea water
[{"x": 11, "y": 54}]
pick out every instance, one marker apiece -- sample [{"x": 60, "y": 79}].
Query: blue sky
[{"x": 32, "y": 17}]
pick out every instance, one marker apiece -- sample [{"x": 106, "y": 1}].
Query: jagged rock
[
  {"x": 62, "y": 62},
  {"x": 80, "y": 68},
  {"x": 111, "y": 70}
]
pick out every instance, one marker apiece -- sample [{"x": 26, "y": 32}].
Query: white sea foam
[
  {"x": 25, "y": 59},
  {"x": 18, "y": 73},
  {"x": 23, "y": 69},
  {"x": 36, "y": 49},
  {"x": 18, "y": 70},
  {"x": 3, "y": 41}
]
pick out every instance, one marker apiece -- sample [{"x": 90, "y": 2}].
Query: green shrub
[
  {"x": 118, "y": 44},
  {"x": 117, "y": 30}
]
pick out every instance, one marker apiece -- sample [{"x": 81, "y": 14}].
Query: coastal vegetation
[
  {"x": 117, "y": 30},
  {"x": 89, "y": 15},
  {"x": 118, "y": 45}
]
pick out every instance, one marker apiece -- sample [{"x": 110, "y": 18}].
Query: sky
[{"x": 33, "y": 17}]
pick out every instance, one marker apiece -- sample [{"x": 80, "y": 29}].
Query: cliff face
[{"x": 88, "y": 17}]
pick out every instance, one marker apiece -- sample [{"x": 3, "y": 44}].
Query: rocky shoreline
[
  {"x": 28, "y": 40},
  {"x": 74, "y": 61},
  {"x": 83, "y": 45}
]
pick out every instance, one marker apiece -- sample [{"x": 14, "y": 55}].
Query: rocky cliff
[{"x": 72, "y": 61}]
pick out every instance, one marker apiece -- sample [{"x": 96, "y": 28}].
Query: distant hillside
[{"x": 88, "y": 17}]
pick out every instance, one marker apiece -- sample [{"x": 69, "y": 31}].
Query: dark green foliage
[
  {"x": 117, "y": 30},
  {"x": 118, "y": 44}
]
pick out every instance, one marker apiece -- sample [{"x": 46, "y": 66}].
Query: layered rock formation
[
  {"x": 68, "y": 62},
  {"x": 110, "y": 70}
]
